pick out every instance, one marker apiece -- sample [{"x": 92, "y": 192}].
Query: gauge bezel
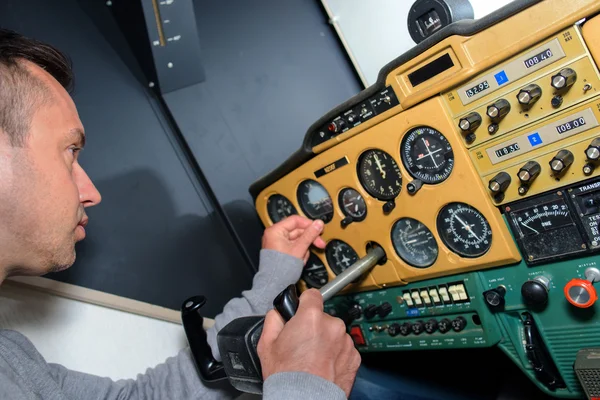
[
  {"x": 307, "y": 282},
  {"x": 408, "y": 260},
  {"x": 345, "y": 213},
  {"x": 362, "y": 179},
  {"x": 448, "y": 243},
  {"x": 329, "y": 256},
  {"x": 410, "y": 170},
  {"x": 303, "y": 207},
  {"x": 269, "y": 211}
]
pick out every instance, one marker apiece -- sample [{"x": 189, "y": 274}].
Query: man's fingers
[
  {"x": 294, "y": 222},
  {"x": 306, "y": 257},
  {"x": 311, "y": 233},
  {"x": 319, "y": 242},
  {"x": 272, "y": 327},
  {"x": 310, "y": 299},
  {"x": 295, "y": 234}
]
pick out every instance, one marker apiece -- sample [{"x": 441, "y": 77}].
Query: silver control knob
[
  {"x": 593, "y": 151},
  {"x": 470, "y": 122},
  {"x": 561, "y": 161},
  {"x": 529, "y": 172},
  {"x": 529, "y": 94},
  {"x": 564, "y": 79},
  {"x": 498, "y": 110}
]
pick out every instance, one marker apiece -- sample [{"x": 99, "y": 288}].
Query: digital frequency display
[
  {"x": 480, "y": 87},
  {"x": 567, "y": 126},
  {"x": 538, "y": 58},
  {"x": 506, "y": 150}
]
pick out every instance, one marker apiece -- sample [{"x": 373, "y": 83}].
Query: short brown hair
[{"x": 19, "y": 89}]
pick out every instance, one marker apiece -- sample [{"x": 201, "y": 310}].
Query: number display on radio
[
  {"x": 480, "y": 87},
  {"x": 538, "y": 58},
  {"x": 506, "y": 150},
  {"x": 567, "y": 126}
]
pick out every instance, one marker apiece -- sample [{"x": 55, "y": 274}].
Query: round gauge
[
  {"x": 279, "y": 207},
  {"x": 379, "y": 174},
  {"x": 464, "y": 230},
  {"x": 314, "y": 201},
  {"x": 427, "y": 155},
  {"x": 340, "y": 255},
  {"x": 352, "y": 204},
  {"x": 414, "y": 243},
  {"x": 314, "y": 273}
]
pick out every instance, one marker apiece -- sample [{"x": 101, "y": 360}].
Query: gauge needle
[
  {"x": 411, "y": 241},
  {"x": 528, "y": 227},
  {"x": 379, "y": 166},
  {"x": 468, "y": 228},
  {"x": 430, "y": 154}
]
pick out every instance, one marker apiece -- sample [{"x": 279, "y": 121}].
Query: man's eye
[{"x": 75, "y": 150}]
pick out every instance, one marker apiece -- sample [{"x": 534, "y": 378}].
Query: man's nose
[{"x": 88, "y": 194}]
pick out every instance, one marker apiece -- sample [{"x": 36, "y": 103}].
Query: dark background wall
[{"x": 166, "y": 231}]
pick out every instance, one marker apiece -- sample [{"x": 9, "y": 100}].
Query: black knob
[
  {"x": 493, "y": 128},
  {"x": 593, "y": 151},
  {"x": 384, "y": 309},
  {"x": 494, "y": 298},
  {"x": 394, "y": 330},
  {"x": 389, "y": 206},
  {"x": 470, "y": 138},
  {"x": 355, "y": 312},
  {"x": 445, "y": 325},
  {"x": 431, "y": 326},
  {"x": 499, "y": 183},
  {"x": 535, "y": 292},
  {"x": 561, "y": 161},
  {"x": 556, "y": 101},
  {"x": 564, "y": 79},
  {"x": 470, "y": 122},
  {"x": 529, "y": 172},
  {"x": 370, "y": 311},
  {"x": 529, "y": 94},
  {"x": 405, "y": 329},
  {"x": 347, "y": 221},
  {"x": 414, "y": 186},
  {"x": 418, "y": 327},
  {"x": 498, "y": 110},
  {"x": 588, "y": 169},
  {"x": 458, "y": 324}
]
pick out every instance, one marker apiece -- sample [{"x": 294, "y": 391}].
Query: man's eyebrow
[{"x": 79, "y": 136}]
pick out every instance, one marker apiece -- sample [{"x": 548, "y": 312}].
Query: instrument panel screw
[
  {"x": 594, "y": 243},
  {"x": 530, "y": 258},
  {"x": 559, "y": 193},
  {"x": 584, "y": 246},
  {"x": 507, "y": 209},
  {"x": 109, "y": 3}
]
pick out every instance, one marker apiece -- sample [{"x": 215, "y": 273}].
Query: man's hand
[
  {"x": 311, "y": 341},
  {"x": 293, "y": 236}
]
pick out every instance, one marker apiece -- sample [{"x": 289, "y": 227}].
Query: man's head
[{"x": 43, "y": 189}]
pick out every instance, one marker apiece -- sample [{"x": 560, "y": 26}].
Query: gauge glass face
[
  {"x": 279, "y": 207},
  {"x": 414, "y": 243},
  {"x": 340, "y": 256},
  {"x": 427, "y": 155},
  {"x": 379, "y": 174},
  {"x": 314, "y": 273},
  {"x": 353, "y": 204},
  {"x": 464, "y": 230},
  {"x": 314, "y": 201}
]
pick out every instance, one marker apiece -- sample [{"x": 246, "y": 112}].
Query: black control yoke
[{"x": 238, "y": 340}]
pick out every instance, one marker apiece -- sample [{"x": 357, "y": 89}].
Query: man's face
[{"x": 43, "y": 189}]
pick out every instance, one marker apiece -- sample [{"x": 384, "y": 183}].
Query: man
[{"x": 43, "y": 196}]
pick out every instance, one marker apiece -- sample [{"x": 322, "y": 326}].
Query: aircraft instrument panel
[{"x": 474, "y": 162}]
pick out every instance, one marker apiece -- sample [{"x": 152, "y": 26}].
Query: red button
[
  {"x": 357, "y": 336},
  {"x": 580, "y": 293}
]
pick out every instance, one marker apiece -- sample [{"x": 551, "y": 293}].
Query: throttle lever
[{"x": 238, "y": 340}]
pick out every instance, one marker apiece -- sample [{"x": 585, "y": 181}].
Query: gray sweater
[{"x": 24, "y": 374}]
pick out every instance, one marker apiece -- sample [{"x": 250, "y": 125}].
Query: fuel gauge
[{"x": 353, "y": 204}]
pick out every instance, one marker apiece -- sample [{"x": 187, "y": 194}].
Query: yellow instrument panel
[{"x": 496, "y": 102}]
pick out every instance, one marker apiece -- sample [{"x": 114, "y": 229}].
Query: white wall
[
  {"x": 375, "y": 31},
  {"x": 87, "y": 337}
]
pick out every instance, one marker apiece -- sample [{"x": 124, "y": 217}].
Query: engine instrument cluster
[{"x": 479, "y": 180}]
